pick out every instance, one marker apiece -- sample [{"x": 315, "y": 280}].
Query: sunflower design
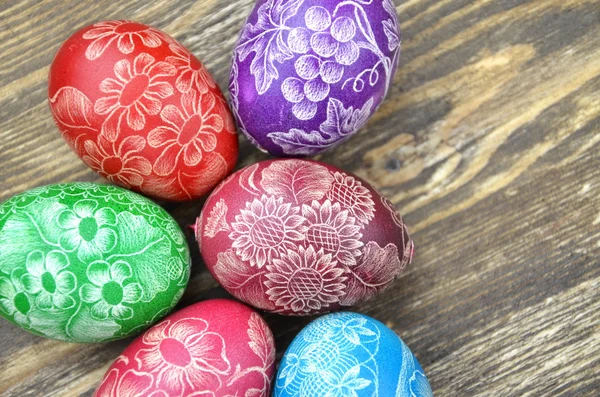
[{"x": 265, "y": 229}]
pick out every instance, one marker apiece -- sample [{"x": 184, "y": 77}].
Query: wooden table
[{"x": 489, "y": 144}]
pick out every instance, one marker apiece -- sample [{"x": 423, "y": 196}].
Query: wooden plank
[{"x": 488, "y": 142}]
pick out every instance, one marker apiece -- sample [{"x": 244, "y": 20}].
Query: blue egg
[{"x": 349, "y": 354}]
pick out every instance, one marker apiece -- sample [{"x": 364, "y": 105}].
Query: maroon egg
[
  {"x": 301, "y": 237},
  {"x": 214, "y": 348}
]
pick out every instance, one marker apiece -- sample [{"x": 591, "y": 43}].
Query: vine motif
[
  {"x": 324, "y": 47},
  {"x": 81, "y": 271}
]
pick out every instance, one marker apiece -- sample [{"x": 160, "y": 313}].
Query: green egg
[{"x": 84, "y": 262}]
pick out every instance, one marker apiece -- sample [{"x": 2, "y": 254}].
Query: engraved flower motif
[
  {"x": 351, "y": 194},
  {"x": 108, "y": 291},
  {"x": 121, "y": 166},
  {"x": 191, "y": 72},
  {"x": 188, "y": 134},
  {"x": 131, "y": 384},
  {"x": 86, "y": 230},
  {"x": 14, "y": 300},
  {"x": 265, "y": 228},
  {"x": 184, "y": 355},
  {"x": 333, "y": 230},
  {"x": 304, "y": 280},
  {"x": 136, "y": 92},
  {"x": 350, "y": 330},
  {"x": 124, "y": 32},
  {"x": 48, "y": 280},
  {"x": 342, "y": 384}
]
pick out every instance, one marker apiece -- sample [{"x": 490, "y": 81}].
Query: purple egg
[{"x": 307, "y": 74}]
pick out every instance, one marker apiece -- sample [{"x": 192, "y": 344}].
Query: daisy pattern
[
  {"x": 124, "y": 32},
  {"x": 121, "y": 166},
  {"x": 265, "y": 228},
  {"x": 108, "y": 292},
  {"x": 14, "y": 301},
  {"x": 304, "y": 280},
  {"x": 87, "y": 230},
  {"x": 188, "y": 134},
  {"x": 191, "y": 72},
  {"x": 48, "y": 280},
  {"x": 131, "y": 384},
  {"x": 184, "y": 355},
  {"x": 135, "y": 93},
  {"x": 333, "y": 230},
  {"x": 351, "y": 194}
]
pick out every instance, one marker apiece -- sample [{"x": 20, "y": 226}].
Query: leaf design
[
  {"x": 376, "y": 270},
  {"x": 390, "y": 28},
  {"x": 254, "y": 393},
  {"x": 265, "y": 39},
  {"x": 36, "y": 230},
  {"x": 217, "y": 221},
  {"x": 261, "y": 339},
  {"x": 298, "y": 142},
  {"x": 406, "y": 371},
  {"x": 301, "y": 180},
  {"x": 343, "y": 121},
  {"x": 247, "y": 179},
  {"x": 362, "y": 20},
  {"x": 234, "y": 274},
  {"x": 147, "y": 250},
  {"x": 83, "y": 327},
  {"x": 73, "y": 109},
  {"x": 214, "y": 169}
]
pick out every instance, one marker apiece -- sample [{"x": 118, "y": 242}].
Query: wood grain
[{"x": 489, "y": 143}]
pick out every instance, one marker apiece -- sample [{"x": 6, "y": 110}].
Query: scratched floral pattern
[
  {"x": 341, "y": 355},
  {"x": 194, "y": 352},
  {"x": 81, "y": 262},
  {"x": 299, "y": 237},
  {"x": 149, "y": 118}
]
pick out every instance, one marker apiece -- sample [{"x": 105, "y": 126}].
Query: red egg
[
  {"x": 214, "y": 348},
  {"x": 301, "y": 237},
  {"x": 141, "y": 110}
]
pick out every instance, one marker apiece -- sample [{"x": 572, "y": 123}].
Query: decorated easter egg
[
  {"x": 142, "y": 111},
  {"x": 307, "y": 74},
  {"x": 349, "y": 354},
  {"x": 300, "y": 237},
  {"x": 214, "y": 348},
  {"x": 83, "y": 262}
]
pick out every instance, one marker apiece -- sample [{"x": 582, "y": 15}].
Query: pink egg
[
  {"x": 214, "y": 348},
  {"x": 301, "y": 237}
]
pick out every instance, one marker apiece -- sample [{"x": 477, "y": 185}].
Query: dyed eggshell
[
  {"x": 301, "y": 237},
  {"x": 307, "y": 74},
  {"x": 83, "y": 262},
  {"x": 142, "y": 111},
  {"x": 213, "y": 348},
  {"x": 349, "y": 354}
]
